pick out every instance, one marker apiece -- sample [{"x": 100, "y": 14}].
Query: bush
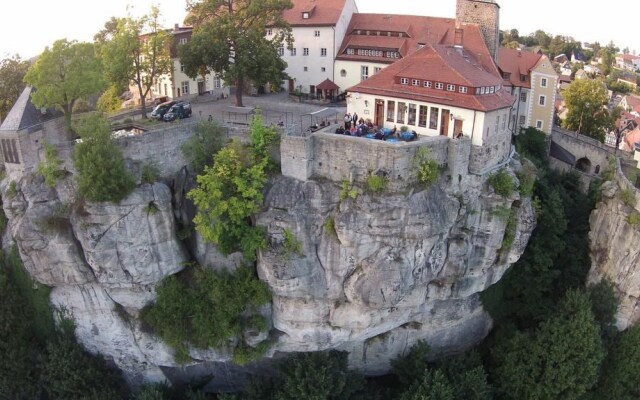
[
  {"x": 101, "y": 172},
  {"x": 291, "y": 245},
  {"x": 527, "y": 178},
  {"x": 628, "y": 197},
  {"x": 12, "y": 189},
  {"x": 347, "y": 192},
  {"x": 533, "y": 143},
  {"x": 110, "y": 102},
  {"x": 377, "y": 183},
  {"x": 426, "y": 167},
  {"x": 209, "y": 311},
  {"x": 149, "y": 174},
  {"x": 501, "y": 212},
  {"x": 50, "y": 169},
  {"x": 633, "y": 219},
  {"x": 502, "y": 183},
  {"x": 510, "y": 230},
  {"x": 208, "y": 138},
  {"x": 330, "y": 226}
]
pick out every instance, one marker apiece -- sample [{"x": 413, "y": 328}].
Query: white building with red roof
[
  {"x": 318, "y": 29},
  {"x": 630, "y": 62},
  {"x": 439, "y": 90}
]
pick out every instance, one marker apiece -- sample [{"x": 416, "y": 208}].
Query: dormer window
[
  {"x": 463, "y": 89},
  {"x": 404, "y": 81},
  {"x": 415, "y": 82},
  {"x": 305, "y": 15},
  {"x": 439, "y": 85},
  {"x": 427, "y": 84},
  {"x": 451, "y": 88},
  {"x": 523, "y": 78}
]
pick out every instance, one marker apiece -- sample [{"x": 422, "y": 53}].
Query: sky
[{"x": 29, "y": 26}]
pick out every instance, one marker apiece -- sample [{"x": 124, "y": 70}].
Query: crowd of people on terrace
[{"x": 354, "y": 126}]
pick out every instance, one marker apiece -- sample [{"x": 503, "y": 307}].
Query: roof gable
[
  {"x": 317, "y": 12},
  {"x": 24, "y": 114},
  {"x": 518, "y": 65}
]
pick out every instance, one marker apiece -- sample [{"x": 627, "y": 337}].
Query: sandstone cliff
[
  {"x": 376, "y": 273},
  {"x": 615, "y": 254}
]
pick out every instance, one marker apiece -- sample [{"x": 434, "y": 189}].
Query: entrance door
[
  {"x": 457, "y": 127},
  {"x": 201, "y": 87},
  {"x": 444, "y": 123},
  {"x": 291, "y": 85},
  {"x": 312, "y": 90},
  {"x": 379, "y": 117}
]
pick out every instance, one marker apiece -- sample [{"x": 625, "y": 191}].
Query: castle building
[{"x": 485, "y": 14}]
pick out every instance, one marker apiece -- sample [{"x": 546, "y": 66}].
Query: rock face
[
  {"x": 375, "y": 274},
  {"x": 615, "y": 254}
]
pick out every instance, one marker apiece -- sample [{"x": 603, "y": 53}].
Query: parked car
[
  {"x": 179, "y": 110},
  {"x": 161, "y": 109}
]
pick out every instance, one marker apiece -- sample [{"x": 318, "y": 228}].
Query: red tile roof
[
  {"x": 327, "y": 84},
  {"x": 322, "y": 12},
  {"x": 516, "y": 63},
  {"x": 438, "y": 63},
  {"x": 628, "y": 57},
  {"x": 633, "y": 102},
  {"x": 416, "y": 30}
]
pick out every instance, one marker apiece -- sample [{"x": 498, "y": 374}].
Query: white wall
[
  {"x": 474, "y": 123},
  {"x": 210, "y": 82},
  {"x": 353, "y": 71},
  {"x": 350, "y": 8}
]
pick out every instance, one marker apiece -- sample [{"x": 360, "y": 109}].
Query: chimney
[
  {"x": 458, "y": 39},
  {"x": 175, "y": 27}
]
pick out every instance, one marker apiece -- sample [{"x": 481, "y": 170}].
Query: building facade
[
  {"x": 318, "y": 29},
  {"x": 532, "y": 81}
]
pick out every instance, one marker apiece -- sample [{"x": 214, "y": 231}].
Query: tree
[
  {"x": 229, "y": 38},
  {"x": 12, "y": 72},
  {"x": 587, "y": 101},
  {"x": 229, "y": 193},
  {"x": 101, "y": 172},
  {"x": 560, "y": 360},
  {"x": 619, "y": 378},
  {"x": 607, "y": 60},
  {"x": 208, "y": 138},
  {"x": 64, "y": 74},
  {"x": 543, "y": 39},
  {"x": 138, "y": 53}
]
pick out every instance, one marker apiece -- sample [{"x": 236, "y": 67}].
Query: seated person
[
  {"x": 352, "y": 131},
  {"x": 379, "y": 135},
  {"x": 394, "y": 132},
  {"x": 414, "y": 135},
  {"x": 406, "y": 136},
  {"x": 340, "y": 131}
]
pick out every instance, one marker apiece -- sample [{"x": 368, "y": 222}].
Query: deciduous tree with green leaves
[
  {"x": 65, "y": 73},
  {"x": 139, "y": 53},
  {"x": 12, "y": 72},
  {"x": 587, "y": 101},
  {"x": 229, "y": 39}
]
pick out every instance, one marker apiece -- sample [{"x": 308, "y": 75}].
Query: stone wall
[
  {"x": 495, "y": 149},
  {"x": 340, "y": 157}
]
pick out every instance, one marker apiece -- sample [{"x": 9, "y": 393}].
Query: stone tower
[{"x": 485, "y": 13}]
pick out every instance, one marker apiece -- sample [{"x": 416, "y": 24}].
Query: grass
[
  {"x": 291, "y": 245},
  {"x": 502, "y": 183},
  {"x": 377, "y": 183},
  {"x": 330, "y": 226},
  {"x": 347, "y": 192},
  {"x": 634, "y": 219},
  {"x": 149, "y": 174},
  {"x": 426, "y": 167},
  {"x": 628, "y": 197}
]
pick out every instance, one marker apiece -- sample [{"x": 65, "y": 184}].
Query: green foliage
[
  {"x": 64, "y": 74},
  {"x": 291, "y": 245},
  {"x": 527, "y": 178},
  {"x": 101, "y": 172},
  {"x": 71, "y": 373},
  {"x": 501, "y": 212},
  {"x": 628, "y": 197},
  {"x": 3, "y": 221},
  {"x": 12, "y": 72},
  {"x": 209, "y": 311},
  {"x": 50, "y": 169},
  {"x": 239, "y": 29},
  {"x": 329, "y": 226},
  {"x": 318, "y": 376},
  {"x": 559, "y": 360},
  {"x": 208, "y": 138},
  {"x": 229, "y": 193},
  {"x": 619, "y": 378},
  {"x": 151, "y": 208},
  {"x": 434, "y": 385},
  {"x": 502, "y": 183},
  {"x": 426, "y": 167},
  {"x": 510, "y": 230},
  {"x": 410, "y": 367},
  {"x": 404, "y": 128},
  {"x": 604, "y": 306},
  {"x": 12, "y": 189},
  {"x": 138, "y": 52},
  {"x": 244, "y": 354},
  {"x": 149, "y": 174},
  {"x": 586, "y": 100},
  {"x": 377, "y": 183},
  {"x": 153, "y": 392},
  {"x": 347, "y": 192},
  {"x": 633, "y": 219},
  {"x": 110, "y": 102},
  {"x": 532, "y": 144},
  {"x": 609, "y": 172}
]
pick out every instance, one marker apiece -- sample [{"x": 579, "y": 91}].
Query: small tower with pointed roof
[{"x": 485, "y": 13}]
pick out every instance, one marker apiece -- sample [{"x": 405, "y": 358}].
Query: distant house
[
  {"x": 581, "y": 74},
  {"x": 577, "y": 57},
  {"x": 532, "y": 80},
  {"x": 629, "y": 79},
  {"x": 561, "y": 58},
  {"x": 630, "y": 103},
  {"x": 592, "y": 69},
  {"x": 627, "y": 62},
  {"x": 565, "y": 69},
  {"x": 564, "y": 80}
]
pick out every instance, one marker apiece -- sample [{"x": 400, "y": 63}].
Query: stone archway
[{"x": 584, "y": 165}]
